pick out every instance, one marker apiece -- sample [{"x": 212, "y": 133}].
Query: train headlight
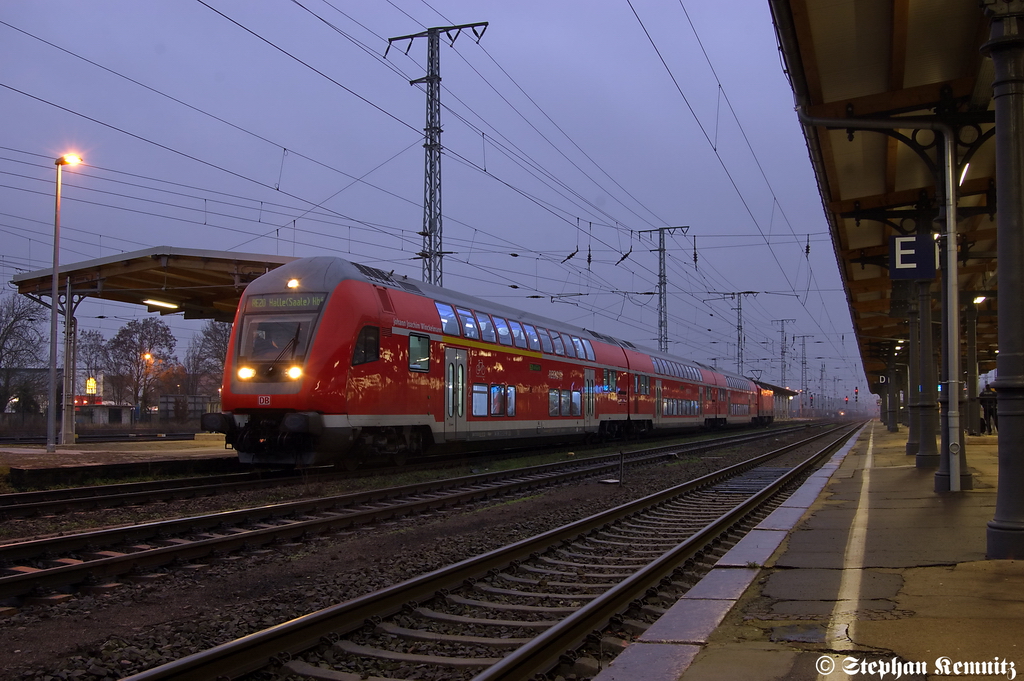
[
  {"x": 294, "y": 372},
  {"x": 245, "y": 373}
]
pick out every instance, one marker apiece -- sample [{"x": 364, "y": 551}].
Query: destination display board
[{"x": 285, "y": 302}]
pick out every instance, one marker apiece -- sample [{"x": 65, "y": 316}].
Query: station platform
[{"x": 864, "y": 573}]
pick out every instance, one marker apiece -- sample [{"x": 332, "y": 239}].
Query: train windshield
[{"x": 275, "y": 338}]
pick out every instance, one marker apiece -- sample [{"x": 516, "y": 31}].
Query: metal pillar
[
  {"x": 67, "y": 430},
  {"x": 893, "y": 402},
  {"x": 1005, "y": 535},
  {"x": 433, "y": 252},
  {"x": 927, "y": 418},
  {"x": 914, "y": 381},
  {"x": 973, "y": 407}
]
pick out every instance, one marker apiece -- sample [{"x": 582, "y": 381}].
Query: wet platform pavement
[{"x": 864, "y": 573}]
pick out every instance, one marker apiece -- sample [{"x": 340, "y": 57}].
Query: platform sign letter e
[{"x": 912, "y": 257}]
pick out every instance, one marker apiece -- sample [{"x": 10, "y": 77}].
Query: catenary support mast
[{"x": 433, "y": 252}]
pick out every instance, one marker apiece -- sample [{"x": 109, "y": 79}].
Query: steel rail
[
  {"x": 254, "y": 651},
  {"x": 544, "y": 651},
  {"x": 26, "y": 504}
]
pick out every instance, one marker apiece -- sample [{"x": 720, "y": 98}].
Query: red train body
[{"x": 334, "y": 362}]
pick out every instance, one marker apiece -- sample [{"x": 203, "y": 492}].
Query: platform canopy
[
  {"x": 884, "y": 59},
  {"x": 201, "y": 284}
]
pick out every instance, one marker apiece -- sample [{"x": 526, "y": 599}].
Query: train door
[
  {"x": 658, "y": 403},
  {"x": 455, "y": 360},
  {"x": 588, "y": 400}
]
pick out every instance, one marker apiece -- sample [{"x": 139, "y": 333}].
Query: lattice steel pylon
[
  {"x": 663, "y": 284},
  {"x": 738, "y": 297},
  {"x": 433, "y": 253}
]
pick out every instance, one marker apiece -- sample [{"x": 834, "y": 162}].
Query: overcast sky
[{"x": 570, "y": 129}]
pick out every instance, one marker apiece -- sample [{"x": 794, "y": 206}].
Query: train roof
[{"x": 329, "y": 271}]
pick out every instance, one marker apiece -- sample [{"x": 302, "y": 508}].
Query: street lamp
[{"x": 51, "y": 416}]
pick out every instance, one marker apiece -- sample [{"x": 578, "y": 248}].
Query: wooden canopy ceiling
[
  {"x": 883, "y": 59},
  {"x": 201, "y": 284}
]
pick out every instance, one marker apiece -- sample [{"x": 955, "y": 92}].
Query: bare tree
[
  {"x": 21, "y": 344},
  {"x": 139, "y": 352},
  {"x": 92, "y": 352},
  {"x": 213, "y": 348}
]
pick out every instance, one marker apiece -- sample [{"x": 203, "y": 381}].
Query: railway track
[
  {"x": 47, "y": 502},
  {"x": 89, "y": 559},
  {"x": 537, "y": 598}
]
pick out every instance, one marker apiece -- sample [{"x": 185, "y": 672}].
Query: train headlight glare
[
  {"x": 245, "y": 373},
  {"x": 293, "y": 283},
  {"x": 294, "y": 372}
]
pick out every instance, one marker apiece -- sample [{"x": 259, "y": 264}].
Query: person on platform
[{"x": 990, "y": 418}]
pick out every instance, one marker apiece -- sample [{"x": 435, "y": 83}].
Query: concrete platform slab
[
  {"x": 723, "y": 583},
  {"x": 688, "y": 621},
  {"x": 753, "y": 550},
  {"x": 782, "y": 518},
  {"x": 664, "y": 661}
]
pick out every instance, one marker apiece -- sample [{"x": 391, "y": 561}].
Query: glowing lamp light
[
  {"x": 294, "y": 373},
  {"x": 69, "y": 160},
  {"x": 293, "y": 283},
  {"x": 979, "y": 300},
  {"x": 160, "y": 303},
  {"x": 245, "y": 373}
]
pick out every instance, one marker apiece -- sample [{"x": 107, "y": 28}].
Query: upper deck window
[
  {"x": 504, "y": 335},
  {"x": 590, "y": 350},
  {"x": 449, "y": 322},
  {"x": 570, "y": 349},
  {"x": 517, "y": 334},
  {"x": 557, "y": 340},
  {"x": 486, "y": 327},
  {"x": 545, "y": 340},
  {"x": 581, "y": 351},
  {"x": 469, "y": 328},
  {"x": 532, "y": 337}
]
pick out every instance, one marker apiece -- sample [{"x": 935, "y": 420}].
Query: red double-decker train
[{"x": 336, "y": 362}]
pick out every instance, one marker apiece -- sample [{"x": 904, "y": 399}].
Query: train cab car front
[{"x": 272, "y": 370}]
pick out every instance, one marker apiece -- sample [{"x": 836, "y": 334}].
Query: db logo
[{"x": 264, "y": 400}]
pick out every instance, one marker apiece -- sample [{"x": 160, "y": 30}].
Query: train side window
[
  {"x": 510, "y": 401},
  {"x": 610, "y": 380},
  {"x": 367, "y": 346},
  {"x": 497, "y": 400},
  {"x": 504, "y": 335},
  {"x": 532, "y": 337},
  {"x": 581, "y": 351},
  {"x": 545, "y": 340},
  {"x": 449, "y": 322},
  {"x": 570, "y": 350},
  {"x": 419, "y": 352},
  {"x": 518, "y": 336},
  {"x": 469, "y": 328},
  {"x": 553, "y": 400},
  {"x": 557, "y": 340},
  {"x": 486, "y": 327},
  {"x": 576, "y": 404},
  {"x": 591, "y": 355},
  {"x": 566, "y": 396},
  {"x": 479, "y": 399}
]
